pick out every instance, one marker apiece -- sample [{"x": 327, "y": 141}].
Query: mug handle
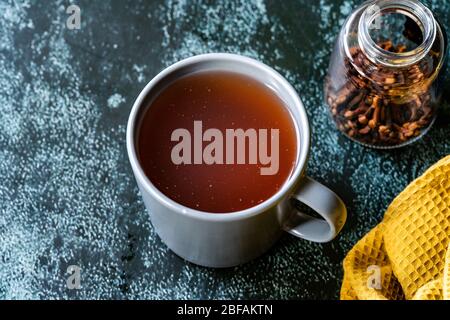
[{"x": 327, "y": 204}]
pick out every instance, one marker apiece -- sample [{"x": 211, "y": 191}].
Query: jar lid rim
[{"x": 411, "y": 8}]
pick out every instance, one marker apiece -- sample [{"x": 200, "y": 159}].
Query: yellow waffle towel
[{"x": 407, "y": 256}]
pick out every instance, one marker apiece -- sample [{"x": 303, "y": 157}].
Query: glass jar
[{"x": 384, "y": 80}]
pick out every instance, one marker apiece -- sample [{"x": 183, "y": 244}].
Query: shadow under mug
[{"x": 226, "y": 240}]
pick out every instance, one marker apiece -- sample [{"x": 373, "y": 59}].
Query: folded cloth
[{"x": 407, "y": 256}]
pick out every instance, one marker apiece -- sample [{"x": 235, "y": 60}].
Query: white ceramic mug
[{"x": 226, "y": 240}]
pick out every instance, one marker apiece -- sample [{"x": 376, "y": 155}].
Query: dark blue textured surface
[{"x": 67, "y": 193}]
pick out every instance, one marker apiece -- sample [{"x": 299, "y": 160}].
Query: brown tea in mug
[{"x": 217, "y": 142}]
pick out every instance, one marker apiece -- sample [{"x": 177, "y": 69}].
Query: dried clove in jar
[
  {"x": 384, "y": 92},
  {"x": 368, "y": 113}
]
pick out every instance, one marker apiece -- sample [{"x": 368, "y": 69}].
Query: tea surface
[{"x": 222, "y": 101}]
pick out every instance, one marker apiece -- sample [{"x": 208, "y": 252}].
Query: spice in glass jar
[{"x": 383, "y": 81}]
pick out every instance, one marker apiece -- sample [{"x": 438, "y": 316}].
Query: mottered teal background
[{"x": 67, "y": 192}]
